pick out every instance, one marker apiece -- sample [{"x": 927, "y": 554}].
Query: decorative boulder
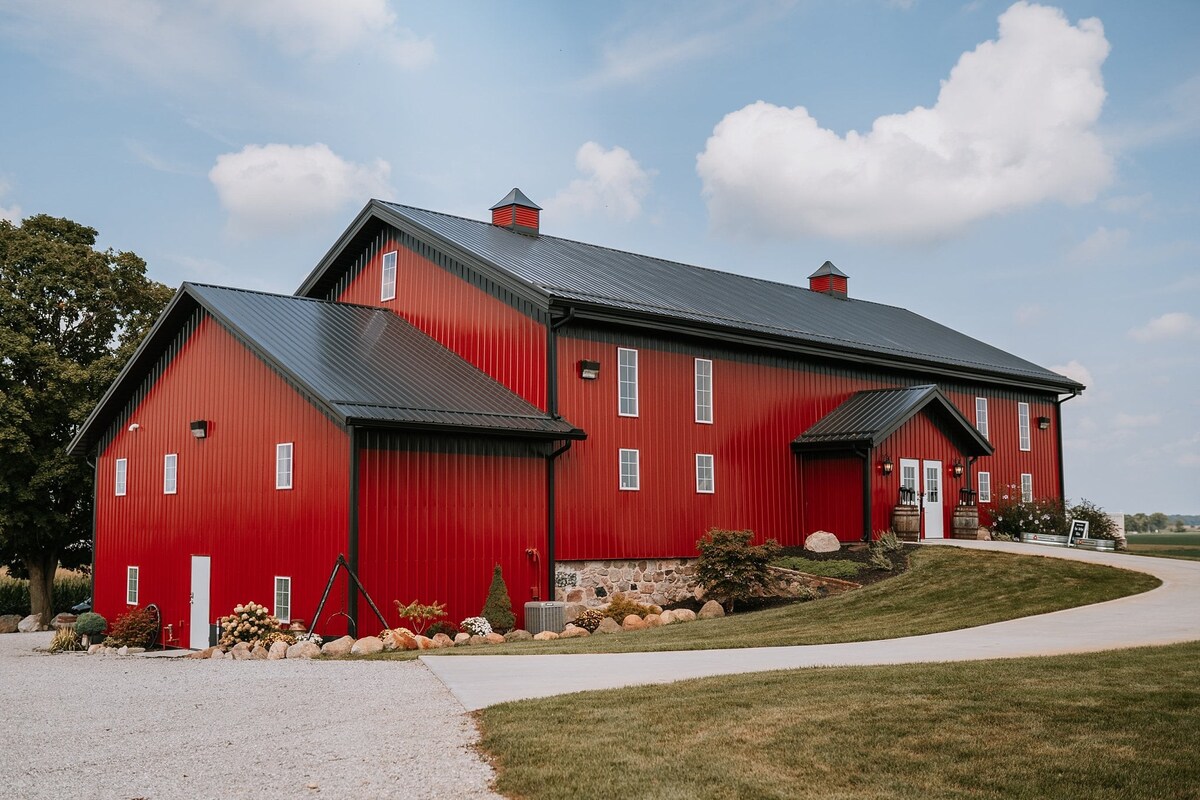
[
  {"x": 494, "y": 638},
  {"x": 304, "y": 650},
  {"x": 477, "y": 640},
  {"x": 240, "y": 651},
  {"x": 259, "y": 653},
  {"x": 983, "y": 535},
  {"x": 653, "y": 621},
  {"x": 338, "y": 647},
  {"x": 633, "y": 622},
  {"x": 518, "y": 635},
  {"x": 667, "y": 617},
  {"x": 216, "y": 655},
  {"x": 205, "y": 653},
  {"x": 711, "y": 610},
  {"x": 9, "y": 623},
  {"x": 366, "y": 646},
  {"x": 573, "y": 631},
  {"x": 278, "y": 650},
  {"x": 608, "y": 625},
  {"x": 545, "y": 636},
  {"x": 30, "y": 624},
  {"x": 461, "y": 638},
  {"x": 390, "y": 641},
  {"x": 424, "y": 642},
  {"x": 822, "y": 542},
  {"x": 442, "y": 640},
  {"x": 684, "y": 615}
]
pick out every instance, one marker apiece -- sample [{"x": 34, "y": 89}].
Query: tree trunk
[{"x": 41, "y": 584}]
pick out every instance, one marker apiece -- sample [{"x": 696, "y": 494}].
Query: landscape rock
[
  {"x": 278, "y": 650},
  {"x": 545, "y": 636},
  {"x": 653, "y": 620},
  {"x": 494, "y": 638},
  {"x": 123, "y": 651},
  {"x": 338, "y": 647},
  {"x": 240, "y": 651},
  {"x": 390, "y": 641},
  {"x": 711, "y": 610},
  {"x": 667, "y": 617},
  {"x": 983, "y": 535},
  {"x": 30, "y": 624},
  {"x": 202, "y": 654},
  {"x": 304, "y": 650},
  {"x": 822, "y": 542},
  {"x": 608, "y": 625},
  {"x": 573, "y": 631},
  {"x": 684, "y": 615},
  {"x": 442, "y": 640},
  {"x": 633, "y": 623},
  {"x": 424, "y": 642},
  {"x": 259, "y": 653},
  {"x": 461, "y": 639},
  {"x": 518, "y": 635},
  {"x": 215, "y": 653},
  {"x": 477, "y": 640},
  {"x": 367, "y": 645},
  {"x": 9, "y": 623}
]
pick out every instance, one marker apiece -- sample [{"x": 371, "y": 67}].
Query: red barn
[{"x": 442, "y": 395}]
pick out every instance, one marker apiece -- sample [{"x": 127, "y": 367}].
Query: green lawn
[
  {"x": 1113, "y": 726},
  {"x": 1165, "y": 545},
  {"x": 946, "y": 588}
]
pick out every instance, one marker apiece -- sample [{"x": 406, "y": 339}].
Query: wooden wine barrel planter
[
  {"x": 906, "y": 522},
  {"x": 966, "y": 522}
]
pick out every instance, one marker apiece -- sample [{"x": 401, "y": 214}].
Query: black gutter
[{"x": 352, "y": 534}]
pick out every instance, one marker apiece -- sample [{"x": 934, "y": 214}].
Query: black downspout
[
  {"x": 1062, "y": 478},
  {"x": 552, "y": 409},
  {"x": 865, "y": 455},
  {"x": 352, "y": 535},
  {"x": 550, "y": 510}
]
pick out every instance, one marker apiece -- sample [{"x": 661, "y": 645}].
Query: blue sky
[{"x": 1026, "y": 174}]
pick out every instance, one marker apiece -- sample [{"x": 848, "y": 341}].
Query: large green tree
[{"x": 70, "y": 315}]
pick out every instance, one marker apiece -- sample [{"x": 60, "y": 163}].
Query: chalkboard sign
[{"x": 1079, "y": 530}]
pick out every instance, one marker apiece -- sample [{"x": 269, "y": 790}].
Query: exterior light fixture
[
  {"x": 589, "y": 370},
  {"x": 957, "y": 468},
  {"x": 1043, "y": 423},
  {"x": 886, "y": 465},
  {"x": 200, "y": 428}
]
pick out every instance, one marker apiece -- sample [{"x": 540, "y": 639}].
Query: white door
[
  {"x": 909, "y": 480},
  {"x": 933, "y": 500},
  {"x": 198, "y": 620}
]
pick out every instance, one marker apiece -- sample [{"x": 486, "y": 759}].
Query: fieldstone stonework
[{"x": 652, "y": 581}]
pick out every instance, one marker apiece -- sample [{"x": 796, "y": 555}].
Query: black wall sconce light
[
  {"x": 200, "y": 428},
  {"x": 957, "y": 468},
  {"x": 886, "y": 465},
  {"x": 589, "y": 370},
  {"x": 1043, "y": 423}
]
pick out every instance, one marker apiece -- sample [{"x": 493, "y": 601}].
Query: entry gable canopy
[{"x": 867, "y": 419}]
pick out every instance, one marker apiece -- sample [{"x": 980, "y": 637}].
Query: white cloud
[
  {"x": 613, "y": 183},
  {"x": 1127, "y": 421},
  {"x": 279, "y": 187},
  {"x": 1172, "y": 325},
  {"x": 1125, "y": 203},
  {"x": 1075, "y": 371},
  {"x": 1101, "y": 243},
  {"x": 1012, "y": 126},
  {"x": 1030, "y": 314},
  {"x": 11, "y": 213}
]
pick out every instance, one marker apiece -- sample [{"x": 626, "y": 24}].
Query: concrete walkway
[{"x": 1166, "y": 615}]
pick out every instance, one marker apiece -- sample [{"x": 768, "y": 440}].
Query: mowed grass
[
  {"x": 1165, "y": 545},
  {"x": 1121, "y": 725},
  {"x": 945, "y": 589}
]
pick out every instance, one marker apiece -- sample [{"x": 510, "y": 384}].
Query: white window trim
[
  {"x": 387, "y": 289},
  {"x": 981, "y": 416},
  {"x": 1023, "y": 438},
  {"x": 1026, "y": 483},
  {"x": 620, "y": 384},
  {"x": 275, "y": 606},
  {"x": 637, "y": 470},
  {"x": 696, "y": 373},
  {"x": 133, "y": 585},
  {"x": 121, "y": 477},
  {"x": 281, "y": 481},
  {"x": 172, "y": 472},
  {"x": 985, "y": 496},
  {"x": 712, "y": 471}
]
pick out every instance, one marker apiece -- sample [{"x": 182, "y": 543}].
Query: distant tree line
[{"x": 1158, "y": 521}]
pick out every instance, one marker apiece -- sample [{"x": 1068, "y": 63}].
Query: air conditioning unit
[{"x": 545, "y": 615}]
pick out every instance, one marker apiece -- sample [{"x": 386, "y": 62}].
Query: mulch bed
[{"x": 861, "y": 554}]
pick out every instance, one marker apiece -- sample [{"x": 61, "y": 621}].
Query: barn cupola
[
  {"x": 517, "y": 213},
  {"x": 829, "y": 280}
]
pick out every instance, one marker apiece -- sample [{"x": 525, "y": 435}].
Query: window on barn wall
[
  {"x": 630, "y": 471},
  {"x": 1023, "y": 424},
  {"x": 704, "y": 390},
  {"x": 283, "y": 599},
  {"x": 131, "y": 586},
  {"x": 1026, "y": 487},
  {"x": 387, "y": 287},
  {"x": 170, "y": 462},
  {"x": 706, "y": 479},
  {"x": 985, "y": 487},
  {"x": 627, "y": 382},
  {"x": 283, "y": 465},
  {"x": 122, "y": 470},
  {"x": 981, "y": 418}
]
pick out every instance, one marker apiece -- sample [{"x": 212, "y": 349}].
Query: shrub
[
  {"x": 834, "y": 568},
  {"x": 137, "y": 627},
  {"x": 880, "y": 561},
  {"x": 497, "y": 609},
  {"x": 418, "y": 615},
  {"x": 90, "y": 624},
  {"x": 1013, "y": 517},
  {"x": 590, "y": 619},
  {"x": 621, "y": 607},
  {"x": 248, "y": 623},
  {"x": 271, "y": 637},
  {"x": 65, "y": 640},
  {"x": 889, "y": 542},
  {"x": 476, "y": 626},
  {"x": 1100, "y": 524},
  {"x": 441, "y": 626},
  {"x": 14, "y": 596},
  {"x": 730, "y": 568}
]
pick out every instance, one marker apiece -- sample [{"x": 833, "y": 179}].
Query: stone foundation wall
[{"x": 653, "y": 581}]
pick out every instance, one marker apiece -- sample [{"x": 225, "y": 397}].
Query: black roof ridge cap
[
  {"x": 507, "y": 415},
  {"x": 280, "y": 296}
]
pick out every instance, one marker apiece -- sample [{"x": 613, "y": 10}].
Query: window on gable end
[
  {"x": 1023, "y": 425},
  {"x": 627, "y": 382},
  {"x": 981, "y": 416},
  {"x": 704, "y": 390},
  {"x": 387, "y": 287},
  {"x": 283, "y": 465},
  {"x": 170, "y": 474},
  {"x": 120, "y": 477}
]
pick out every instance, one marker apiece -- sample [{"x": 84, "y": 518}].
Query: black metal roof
[
  {"x": 558, "y": 272},
  {"x": 516, "y": 198},
  {"x": 362, "y": 365},
  {"x": 866, "y": 419}
]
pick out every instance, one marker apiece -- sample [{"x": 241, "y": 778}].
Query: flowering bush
[
  {"x": 476, "y": 626},
  {"x": 1100, "y": 524},
  {"x": 137, "y": 627},
  {"x": 300, "y": 638},
  {"x": 248, "y": 623},
  {"x": 590, "y": 619},
  {"x": 1013, "y": 517}
]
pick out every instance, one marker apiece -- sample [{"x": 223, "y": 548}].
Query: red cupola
[
  {"x": 829, "y": 280},
  {"x": 517, "y": 213}
]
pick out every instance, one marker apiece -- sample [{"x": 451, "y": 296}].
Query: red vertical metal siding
[
  {"x": 436, "y": 515},
  {"x": 836, "y": 476},
  {"x": 226, "y": 506},
  {"x": 489, "y": 333}
]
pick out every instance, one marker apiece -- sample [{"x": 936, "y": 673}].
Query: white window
[
  {"x": 1023, "y": 424},
  {"x": 985, "y": 487},
  {"x": 627, "y": 382},
  {"x": 704, "y": 398},
  {"x": 981, "y": 422},
  {"x": 1026, "y": 487},
  {"x": 283, "y": 599},
  {"x": 387, "y": 287},
  {"x": 630, "y": 471},
  {"x": 119, "y": 478},
  {"x": 170, "y": 461},
  {"x": 283, "y": 465},
  {"x": 706, "y": 481},
  {"x": 131, "y": 586}
]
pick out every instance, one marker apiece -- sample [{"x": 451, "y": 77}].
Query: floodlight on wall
[
  {"x": 589, "y": 370},
  {"x": 957, "y": 468},
  {"x": 1043, "y": 423},
  {"x": 200, "y": 428},
  {"x": 886, "y": 465},
  {"x": 134, "y": 427}
]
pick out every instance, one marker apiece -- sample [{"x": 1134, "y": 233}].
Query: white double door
[{"x": 924, "y": 478}]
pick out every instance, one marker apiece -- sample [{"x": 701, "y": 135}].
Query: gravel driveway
[{"x": 77, "y": 726}]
